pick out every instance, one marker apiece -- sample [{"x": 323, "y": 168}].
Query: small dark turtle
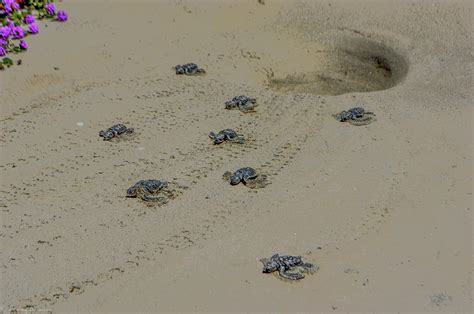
[
  {"x": 243, "y": 175},
  {"x": 188, "y": 69},
  {"x": 226, "y": 135},
  {"x": 248, "y": 176},
  {"x": 242, "y": 102},
  {"x": 114, "y": 131},
  {"x": 147, "y": 190},
  {"x": 356, "y": 116},
  {"x": 288, "y": 267}
]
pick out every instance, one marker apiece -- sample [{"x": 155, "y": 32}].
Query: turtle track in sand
[
  {"x": 97, "y": 173},
  {"x": 107, "y": 169}
]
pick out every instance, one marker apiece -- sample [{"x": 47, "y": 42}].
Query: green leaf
[{"x": 7, "y": 61}]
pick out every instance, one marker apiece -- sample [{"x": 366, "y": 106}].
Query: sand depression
[{"x": 352, "y": 64}]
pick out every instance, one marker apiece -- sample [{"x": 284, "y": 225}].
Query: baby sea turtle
[
  {"x": 226, "y": 135},
  {"x": 114, "y": 131},
  {"x": 248, "y": 176},
  {"x": 356, "y": 116},
  {"x": 148, "y": 190},
  {"x": 189, "y": 69},
  {"x": 288, "y": 267},
  {"x": 242, "y": 102}
]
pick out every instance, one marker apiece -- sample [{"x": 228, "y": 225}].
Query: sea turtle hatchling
[
  {"x": 288, "y": 267},
  {"x": 114, "y": 131},
  {"x": 189, "y": 69},
  {"x": 148, "y": 190},
  {"x": 356, "y": 116},
  {"x": 242, "y": 102},
  {"x": 226, "y": 135},
  {"x": 248, "y": 176}
]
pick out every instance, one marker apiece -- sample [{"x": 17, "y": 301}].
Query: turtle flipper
[
  {"x": 226, "y": 176},
  {"x": 364, "y": 120},
  {"x": 309, "y": 268},
  {"x": 257, "y": 183},
  {"x": 146, "y": 196},
  {"x": 238, "y": 140},
  {"x": 154, "y": 199},
  {"x": 290, "y": 275},
  {"x": 248, "y": 107},
  {"x": 140, "y": 194},
  {"x": 129, "y": 136},
  {"x": 196, "y": 73}
]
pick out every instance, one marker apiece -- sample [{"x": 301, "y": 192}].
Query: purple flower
[
  {"x": 18, "y": 32},
  {"x": 62, "y": 16},
  {"x": 3, "y": 51},
  {"x": 29, "y": 19},
  {"x": 23, "y": 45},
  {"x": 5, "y": 32},
  {"x": 7, "y": 4},
  {"x": 3, "y": 42},
  {"x": 33, "y": 28},
  {"x": 15, "y": 6},
  {"x": 50, "y": 8}
]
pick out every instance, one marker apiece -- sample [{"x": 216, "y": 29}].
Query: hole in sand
[{"x": 353, "y": 65}]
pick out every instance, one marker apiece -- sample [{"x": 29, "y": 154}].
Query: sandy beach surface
[{"x": 384, "y": 210}]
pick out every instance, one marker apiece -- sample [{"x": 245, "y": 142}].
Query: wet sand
[{"x": 385, "y": 210}]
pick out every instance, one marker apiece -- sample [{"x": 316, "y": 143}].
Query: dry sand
[{"x": 385, "y": 210}]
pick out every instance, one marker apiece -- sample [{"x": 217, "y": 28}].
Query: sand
[{"x": 385, "y": 210}]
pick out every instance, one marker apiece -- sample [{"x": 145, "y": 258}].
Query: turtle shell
[
  {"x": 229, "y": 133},
  {"x": 247, "y": 173},
  {"x": 151, "y": 186}
]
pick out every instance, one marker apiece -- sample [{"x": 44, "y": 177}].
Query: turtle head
[
  {"x": 219, "y": 138},
  {"x": 132, "y": 191},
  {"x": 235, "y": 178},
  {"x": 230, "y": 104},
  {"x": 179, "y": 69},
  {"x": 107, "y": 134},
  {"x": 269, "y": 265},
  {"x": 343, "y": 116}
]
